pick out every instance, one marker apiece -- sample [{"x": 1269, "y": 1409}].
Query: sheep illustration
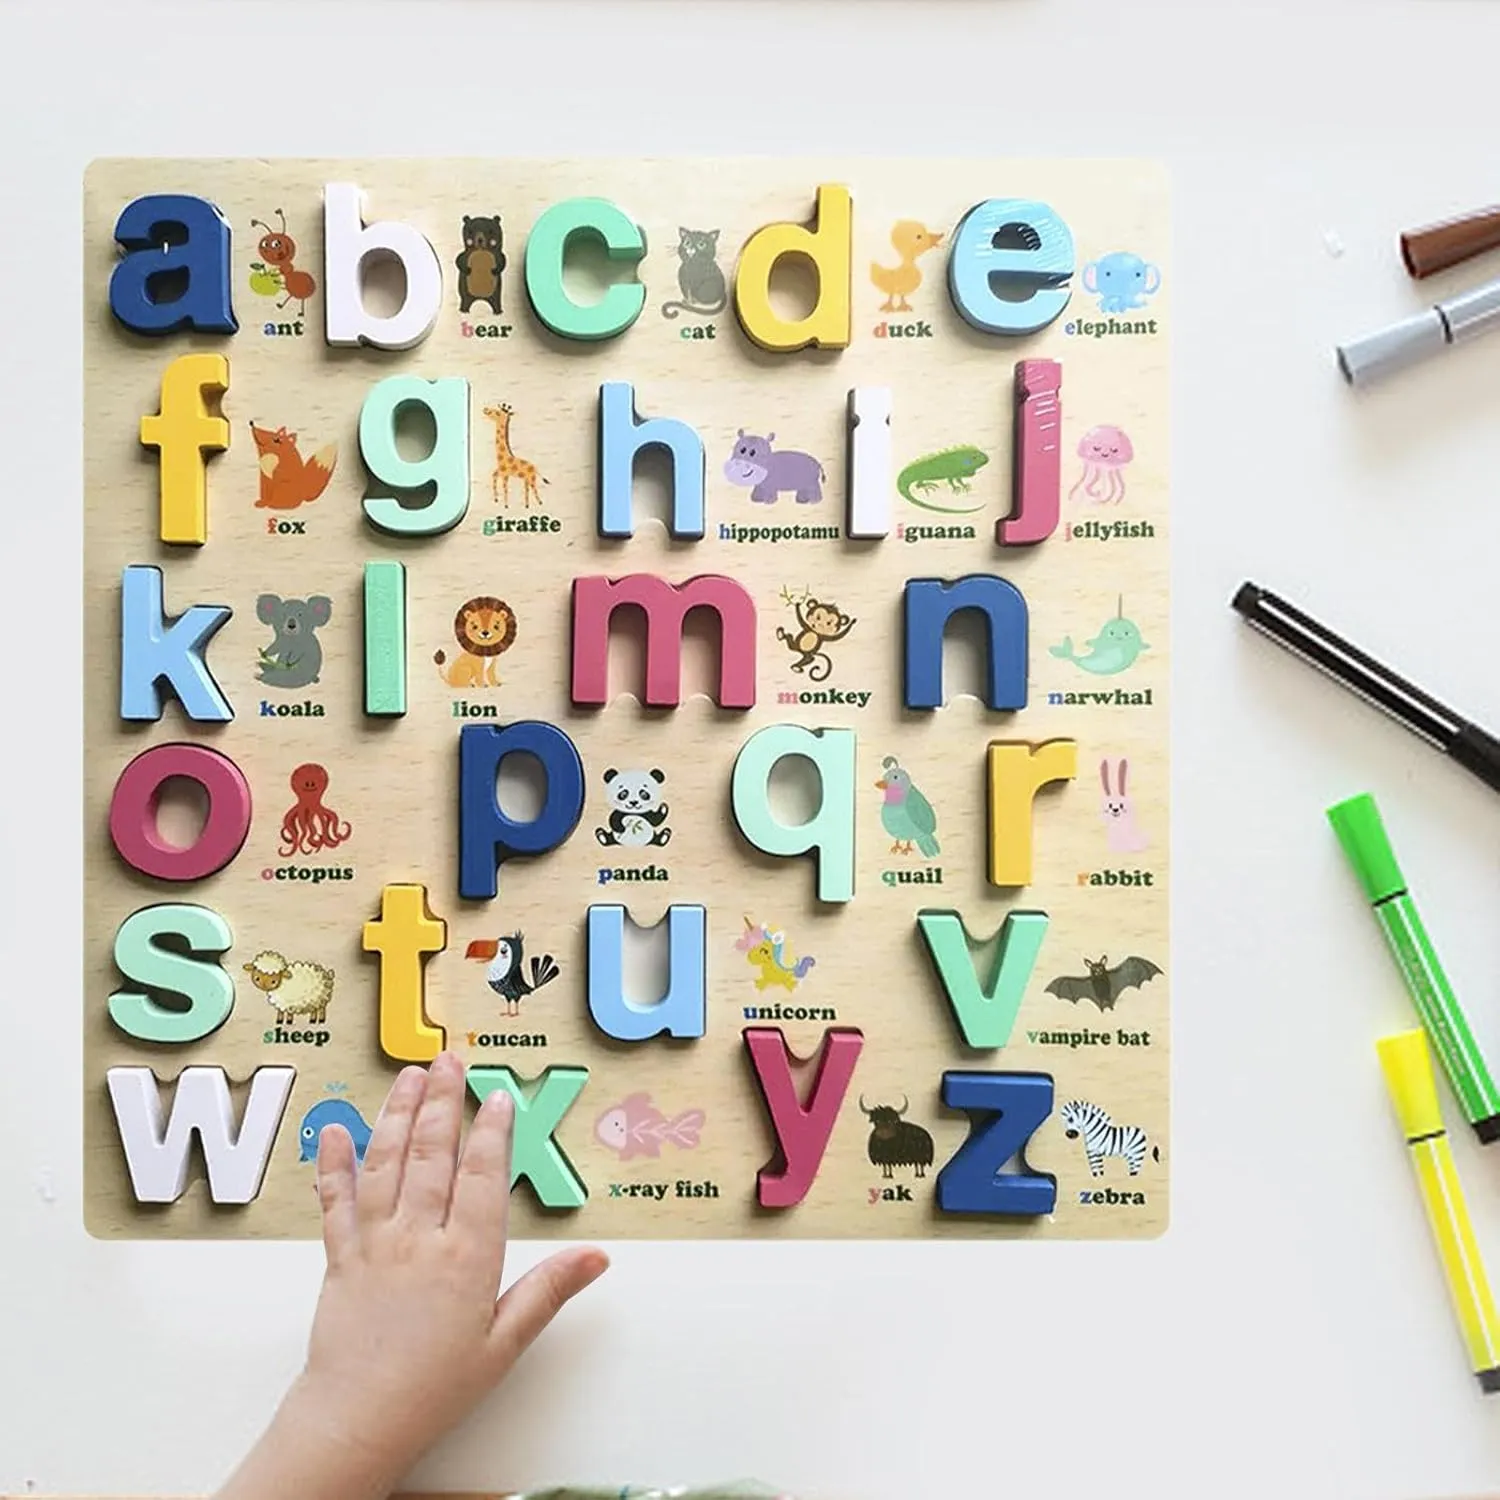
[{"x": 300, "y": 988}]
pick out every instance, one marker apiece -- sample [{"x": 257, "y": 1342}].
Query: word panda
[{"x": 637, "y": 820}]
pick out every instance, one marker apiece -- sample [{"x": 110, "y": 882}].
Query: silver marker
[{"x": 1455, "y": 321}]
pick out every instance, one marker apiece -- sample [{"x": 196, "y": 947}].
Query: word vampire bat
[{"x": 1102, "y": 984}]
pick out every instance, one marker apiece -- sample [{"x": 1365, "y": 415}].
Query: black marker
[{"x": 1473, "y": 748}]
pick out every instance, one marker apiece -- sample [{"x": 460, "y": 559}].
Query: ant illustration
[{"x": 277, "y": 249}]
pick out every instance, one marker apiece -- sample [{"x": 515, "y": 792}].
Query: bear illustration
[
  {"x": 480, "y": 263},
  {"x": 636, "y": 819}
]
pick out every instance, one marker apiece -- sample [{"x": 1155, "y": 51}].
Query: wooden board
[{"x": 394, "y": 781}]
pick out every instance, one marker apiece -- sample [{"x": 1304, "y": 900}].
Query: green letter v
[{"x": 984, "y": 1017}]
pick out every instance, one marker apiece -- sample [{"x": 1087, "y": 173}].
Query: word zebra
[{"x": 1102, "y": 1137}]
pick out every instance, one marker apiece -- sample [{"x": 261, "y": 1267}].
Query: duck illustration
[{"x": 911, "y": 239}]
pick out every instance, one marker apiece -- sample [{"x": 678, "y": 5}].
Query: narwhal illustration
[{"x": 1115, "y": 647}]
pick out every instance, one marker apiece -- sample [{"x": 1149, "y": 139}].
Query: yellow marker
[
  {"x": 1017, "y": 772},
  {"x": 183, "y": 431},
  {"x": 405, "y": 931},
  {"x": 830, "y": 247},
  {"x": 1407, "y": 1065}
]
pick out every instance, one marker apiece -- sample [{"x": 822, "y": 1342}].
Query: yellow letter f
[{"x": 183, "y": 431}]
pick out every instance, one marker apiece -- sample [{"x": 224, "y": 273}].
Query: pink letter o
[{"x": 132, "y": 812}]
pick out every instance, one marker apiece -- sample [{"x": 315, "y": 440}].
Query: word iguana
[{"x": 953, "y": 466}]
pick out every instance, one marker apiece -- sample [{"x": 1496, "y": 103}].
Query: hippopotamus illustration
[
  {"x": 755, "y": 465},
  {"x": 1120, "y": 281}
]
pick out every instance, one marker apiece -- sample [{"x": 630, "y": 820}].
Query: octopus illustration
[
  {"x": 1105, "y": 451},
  {"x": 309, "y": 825}
]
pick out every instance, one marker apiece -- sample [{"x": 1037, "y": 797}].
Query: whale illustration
[
  {"x": 333, "y": 1112},
  {"x": 1116, "y": 646}
]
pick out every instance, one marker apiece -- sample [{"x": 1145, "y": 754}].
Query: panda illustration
[{"x": 636, "y": 819}]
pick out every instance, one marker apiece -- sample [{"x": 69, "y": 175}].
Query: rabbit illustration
[{"x": 1119, "y": 817}]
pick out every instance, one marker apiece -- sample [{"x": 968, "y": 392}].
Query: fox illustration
[{"x": 287, "y": 480}]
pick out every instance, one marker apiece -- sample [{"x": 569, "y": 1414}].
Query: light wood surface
[{"x": 395, "y": 782}]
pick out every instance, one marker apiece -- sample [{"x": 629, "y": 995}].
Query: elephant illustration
[{"x": 1121, "y": 281}]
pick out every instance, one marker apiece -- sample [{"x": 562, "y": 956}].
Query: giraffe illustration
[{"x": 507, "y": 465}]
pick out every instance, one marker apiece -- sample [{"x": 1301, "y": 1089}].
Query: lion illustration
[{"x": 483, "y": 628}]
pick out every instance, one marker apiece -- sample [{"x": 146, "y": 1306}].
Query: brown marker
[{"x": 1439, "y": 246}]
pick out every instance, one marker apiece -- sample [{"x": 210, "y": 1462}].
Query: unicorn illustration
[{"x": 767, "y": 951}]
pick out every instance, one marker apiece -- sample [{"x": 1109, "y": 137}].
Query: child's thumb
[{"x": 532, "y": 1303}]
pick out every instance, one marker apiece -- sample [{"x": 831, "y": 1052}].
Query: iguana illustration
[{"x": 953, "y": 466}]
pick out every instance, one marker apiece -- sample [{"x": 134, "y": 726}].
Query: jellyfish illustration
[{"x": 1105, "y": 451}]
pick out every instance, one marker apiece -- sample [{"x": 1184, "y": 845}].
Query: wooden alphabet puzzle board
[{"x": 924, "y": 991}]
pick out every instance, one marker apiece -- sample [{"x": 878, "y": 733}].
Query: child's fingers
[
  {"x": 385, "y": 1157},
  {"x": 336, "y": 1192},
  {"x": 481, "y": 1190},
  {"x": 427, "y": 1184},
  {"x": 532, "y": 1303}
]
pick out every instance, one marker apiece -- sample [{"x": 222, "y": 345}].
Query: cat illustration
[{"x": 699, "y": 277}]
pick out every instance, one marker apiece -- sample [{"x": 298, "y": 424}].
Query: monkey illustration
[{"x": 818, "y": 625}]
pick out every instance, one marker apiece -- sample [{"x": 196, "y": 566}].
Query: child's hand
[{"x": 408, "y": 1335}]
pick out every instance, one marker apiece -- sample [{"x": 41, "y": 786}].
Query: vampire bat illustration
[{"x": 1102, "y": 984}]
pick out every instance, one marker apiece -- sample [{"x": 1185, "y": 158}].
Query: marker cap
[
  {"x": 1407, "y": 1065},
  {"x": 1436, "y": 247},
  {"x": 1361, "y": 831},
  {"x": 1404, "y": 343}
]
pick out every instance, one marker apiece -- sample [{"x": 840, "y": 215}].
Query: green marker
[{"x": 1360, "y": 830}]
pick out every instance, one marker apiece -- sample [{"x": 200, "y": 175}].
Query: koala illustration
[
  {"x": 295, "y": 657},
  {"x": 636, "y": 819}
]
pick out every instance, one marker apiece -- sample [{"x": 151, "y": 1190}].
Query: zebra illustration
[{"x": 1102, "y": 1137}]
